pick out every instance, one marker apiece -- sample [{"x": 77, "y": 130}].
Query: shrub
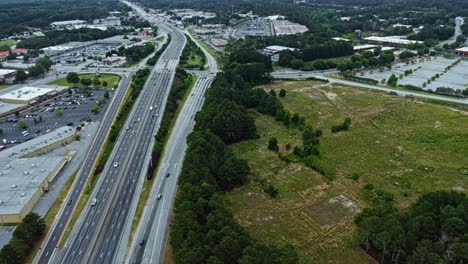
[{"x": 320, "y": 166}]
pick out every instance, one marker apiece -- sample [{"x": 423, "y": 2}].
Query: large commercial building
[
  {"x": 25, "y": 176},
  {"x": 70, "y": 24},
  {"x": 111, "y": 21},
  {"x": 394, "y": 41},
  {"x": 22, "y": 182},
  {"x": 285, "y": 27},
  {"x": 26, "y": 95},
  {"x": 276, "y": 49},
  {"x": 462, "y": 51},
  {"x": 7, "y": 76}
]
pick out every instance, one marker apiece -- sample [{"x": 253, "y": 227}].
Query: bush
[
  {"x": 353, "y": 176},
  {"x": 273, "y": 144},
  {"x": 320, "y": 166},
  {"x": 22, "y": 124},
  {"x": 342, "y": 127},
  {"x": 282, "y": 93}
]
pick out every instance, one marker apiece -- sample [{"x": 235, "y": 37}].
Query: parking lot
[
  {"x": 257, "y": 27},
  {"x": 76, "y": 109},
  {"x": 455, "y": 78}
]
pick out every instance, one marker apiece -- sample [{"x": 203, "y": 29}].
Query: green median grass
[
  {"x": 4, "y": 86},
  {"x": 111, "y": 79},
  {"x": 407, "y": 147}
]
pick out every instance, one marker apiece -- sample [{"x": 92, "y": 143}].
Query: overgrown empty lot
[{"x": 402, "y": 146}]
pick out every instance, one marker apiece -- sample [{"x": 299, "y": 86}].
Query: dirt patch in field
[
  {"x": 332, "y": 211},
  {"x": 256, "y": 197}
]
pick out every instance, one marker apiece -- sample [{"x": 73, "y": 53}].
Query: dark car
[
  {"x": 167, "y": 175},
  {"x": 70, "y": 201}
]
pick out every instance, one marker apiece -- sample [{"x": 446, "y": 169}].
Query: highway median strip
[
  {"x": 180, "y": 90},
  {"x": 137, "y": 84}
]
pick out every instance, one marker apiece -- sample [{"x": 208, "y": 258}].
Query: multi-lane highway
[
  {"x": 63, "y": 217},
  {"x": 149, "y": 242},
  {"x": 102, "y": 228}
]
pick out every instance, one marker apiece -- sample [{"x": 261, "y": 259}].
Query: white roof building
[
  {"x": 391, "y": 40},
  {"x": 25, "y": 95},
  {"x": 67, "y": 24},
  {"x": 277, "y": 49}
]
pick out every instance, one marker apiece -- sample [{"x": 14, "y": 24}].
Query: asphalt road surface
[
  {"x": 150, "y": 239},
  {"x": 63, "y": 217},
  {"x": 321, "y": 75},
  {"x": 97, "y": 235}
]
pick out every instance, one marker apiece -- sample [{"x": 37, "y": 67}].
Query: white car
[
  {"x": 159, "y": 196},
  {"x": 93, "y": 202},
  {"x": 128, "y": 127},
  {"x": 116, "y": 164}
]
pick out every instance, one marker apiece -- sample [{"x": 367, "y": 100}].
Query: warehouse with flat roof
[
  {"x": 394, "y": 41},
  {"x": 22, "y": 182},
  {"x": 25, "y": 176},
  {"x": 26, "y": 95}
]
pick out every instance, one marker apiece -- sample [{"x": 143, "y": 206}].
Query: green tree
[
  {"x": 73, "y": 78},
  {"x": 22, "y": 124},
  {"x": 104, "y": 84},
  {"x": 106, "y": 95},
  {"x": 86, "y": 82},
  {"x": 95, "y": 109},
  {"x": 392, "y": 80},
  {"x": 282, "y": 93},
  {"x": 59, "y": 112},
  {"x": 96, "y": 81},
  {"x": 20, "y": 76},
  {"x": 273, "y": 144}
]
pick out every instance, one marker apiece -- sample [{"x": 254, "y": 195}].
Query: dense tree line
[
  {"x": 204, "y": 230},
  {"x": 181, "y": 84},
  {"x": 41, "y": 67},
  {"x": 434, "y": 32},
  {"x": 16, "y": 17},
  {"x": 52, "y": 38},
  {"x": 134, "y": 53},
  {"x": 433, "y": 230},
  {"x": 28, "y": 232},
  {"x": 367, "y": 59}
]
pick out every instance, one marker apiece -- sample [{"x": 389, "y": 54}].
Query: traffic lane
[
  {"x": 77, "y": 192},
  {"x": 145, "y": 98},
  {"x": 120, "y": 214},
  {"x": 142, "y": 160},
  {"x": 91, "y": 156},
  {"x": 177, "y": 146},
  {"x": 101, "y": 195}
]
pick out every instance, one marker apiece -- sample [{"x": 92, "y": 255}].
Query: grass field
[
  {"x": 7, "y": 43},
  {"x": 402, "y": 146},
  {"x": 111, "y": 79},
  {"x": 4, "y": 86},
  {"x": 194, "y": 61}
]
